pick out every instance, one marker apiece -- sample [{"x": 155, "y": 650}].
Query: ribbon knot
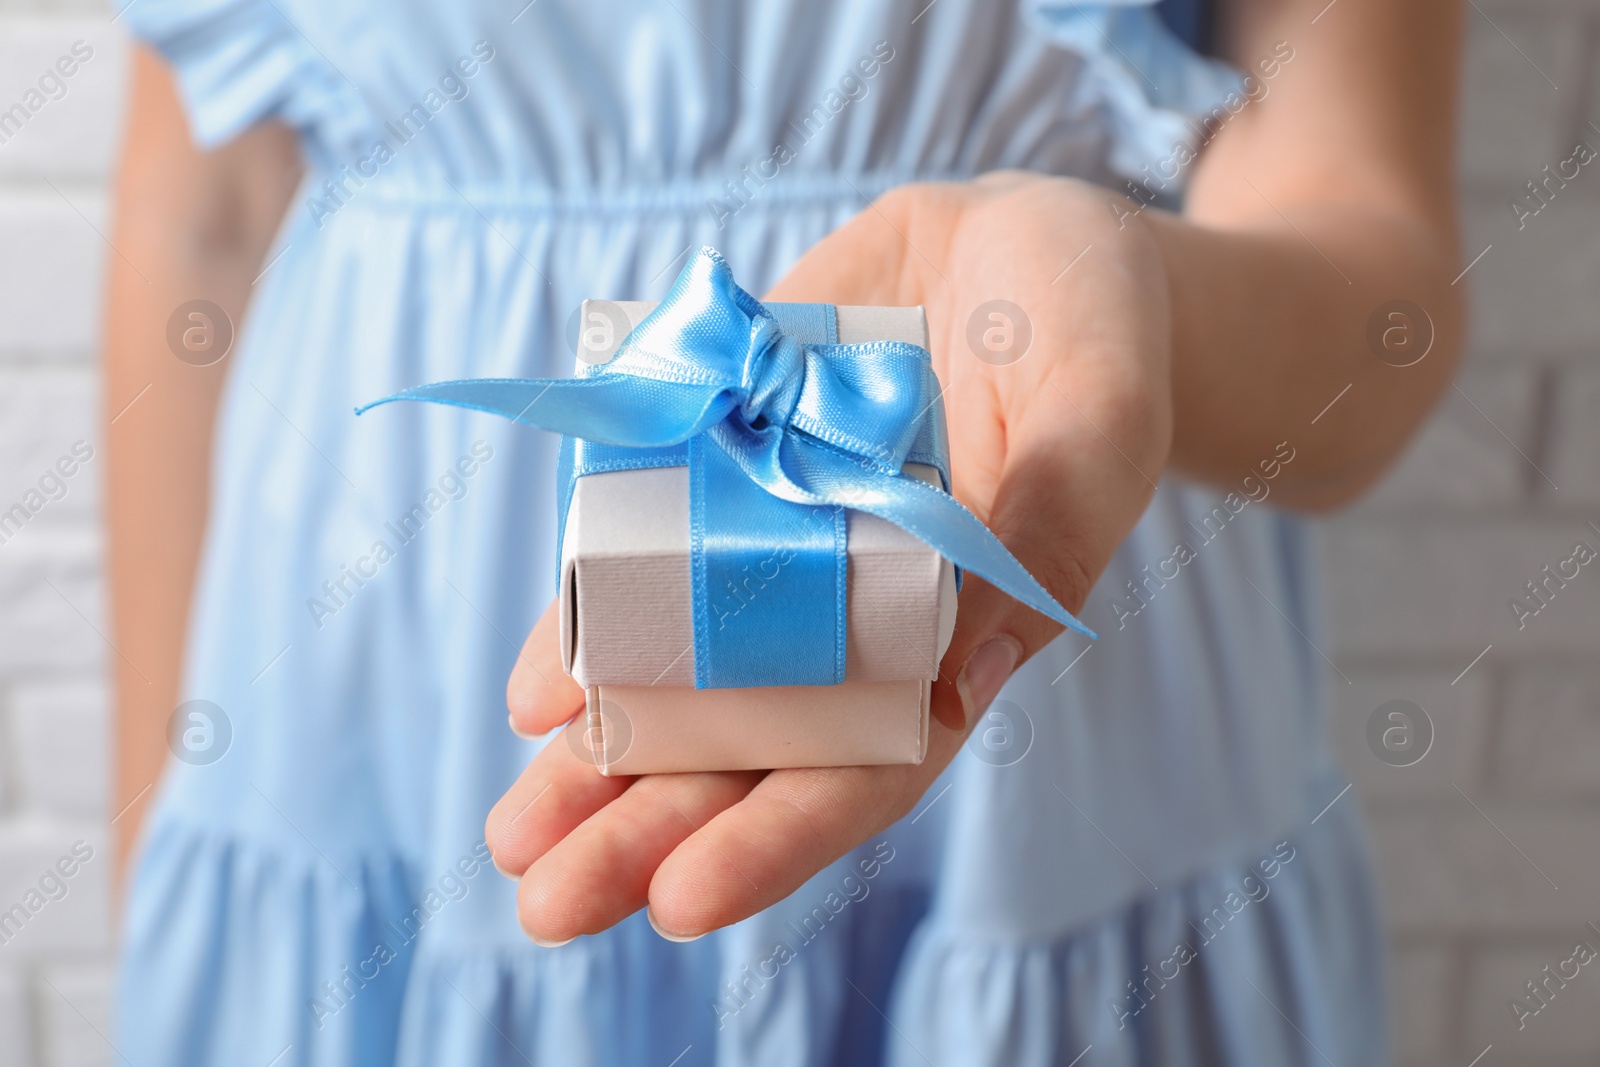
[
  {"x": 783, "y": 431},
  {"x": 772, "y": 377}
]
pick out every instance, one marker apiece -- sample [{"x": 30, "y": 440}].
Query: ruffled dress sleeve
[
  {"x": 1156, "y": 93},
  {"x": 240, "y": 62}
]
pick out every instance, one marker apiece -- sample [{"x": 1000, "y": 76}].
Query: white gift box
[{"x": 627, "y": 621}]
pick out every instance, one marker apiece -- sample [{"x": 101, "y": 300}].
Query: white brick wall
[
  {"x": 16, "y": 1022},
  {"x": 1422, "y": 570},
  {"x": 1420, "y": 574},
  {"x": 75, "y": 1007},
  {"x": 53, "y": 973}
]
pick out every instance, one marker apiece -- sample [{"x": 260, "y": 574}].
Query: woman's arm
[
  {"x": 1324, "y": 199},
  {"x": 189, "y": 225}
]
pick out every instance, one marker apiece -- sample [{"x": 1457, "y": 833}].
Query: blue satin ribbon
[{"x": 783, "y": 430}]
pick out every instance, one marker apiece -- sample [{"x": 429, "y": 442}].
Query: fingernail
[
  {"x": 679, "y": 938},
  {"x": 512, "y": 719},
  {"x": 503, "y": 872},
  {"x": 542, "y": 943},
  {"x": 985, "y": 672}
]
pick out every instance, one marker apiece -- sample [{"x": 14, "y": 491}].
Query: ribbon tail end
[
  {"x": 362, "y": 409},
  {"x": 1079, "y": 628},
  {"x": 1056, "y": 613}
]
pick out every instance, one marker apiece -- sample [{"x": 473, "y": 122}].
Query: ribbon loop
[{"x": 802, "y": 429}]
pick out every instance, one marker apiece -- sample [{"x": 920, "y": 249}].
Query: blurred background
[{"x": 1489, "y": 845}]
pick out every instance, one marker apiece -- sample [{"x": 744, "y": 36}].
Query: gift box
[
  {"x": 759, "y": 552},
  {"x": 627, "y": 627}
]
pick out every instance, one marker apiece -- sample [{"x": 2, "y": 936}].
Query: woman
[{"x": 1135, "y": 862}]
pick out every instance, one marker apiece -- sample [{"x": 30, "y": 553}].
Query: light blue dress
[{"x": 1131, "y": 863}]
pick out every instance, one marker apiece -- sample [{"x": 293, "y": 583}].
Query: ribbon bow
[{"x": 783, "y": 430}]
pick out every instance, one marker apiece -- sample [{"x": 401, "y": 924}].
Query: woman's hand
[
  {"x": 1213, "y": 336},
  {"x": 1056, "y": 447}
]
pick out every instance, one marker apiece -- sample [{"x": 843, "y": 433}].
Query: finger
[
  {"x": 796, "y": 822},
  {"x": 540, "y": 694},
  {"x": 553, "y": 796},
  {"x": 791, "y": 825},
  {"x": 599, "y": 874}
]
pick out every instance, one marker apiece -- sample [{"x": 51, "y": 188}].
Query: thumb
[{"x": 995, "y": 634}]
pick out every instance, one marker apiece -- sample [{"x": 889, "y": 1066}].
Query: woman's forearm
[
  {"x": 1325, "y": 196},
  {"x": 1293, "y": 334},
  {"x": 189, "y": 226}
]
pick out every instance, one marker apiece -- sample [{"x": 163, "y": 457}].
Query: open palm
[{"x": 1055, "y": 446}]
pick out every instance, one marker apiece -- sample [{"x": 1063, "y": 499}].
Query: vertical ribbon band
[{"x": 769, "y": 578}]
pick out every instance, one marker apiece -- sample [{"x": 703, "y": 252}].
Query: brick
[
  {"x": 1576, "y": 438},
  {"x": 1565, "y": 1026},
  {"x": 1460, "y": 718},
  {"x": 75, "y": 1010},
  {"x": 16, "y": 1021},
  {"x": 44, "y": 412},
  {"x": 1549, "y": 742},
  {"x": 75, "y": 134},
  {"x": 1442, "y": 587},
  {"x": 1459, "y": 459},
  {"x": 1465, "y": 1059},
  {"x": 75, "y": 919},
  {"x": 51, "y": 273},
  {"x": 1533, "y": 292},
  {"x": 1510, "y": 112},
  {"x": 60, "y": 730},
  {"x": 1419, "y": 986},
  {"x": 1445, "y": 869},
  {"x": 58, "y": 7},
  {"x": 8, "y": 763},
  {"x": 54, "y": 618}
]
